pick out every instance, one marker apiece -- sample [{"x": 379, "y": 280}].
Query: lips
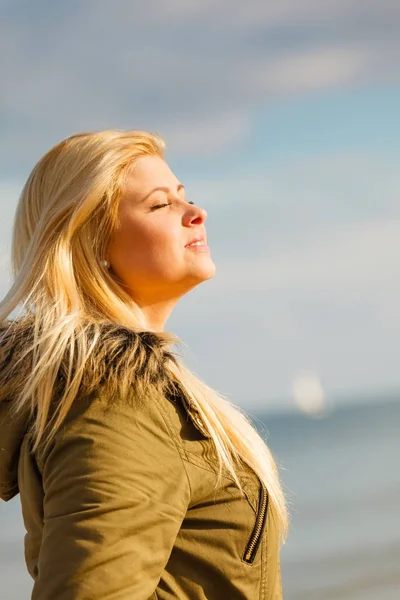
[{"x": 198, "y": 238}]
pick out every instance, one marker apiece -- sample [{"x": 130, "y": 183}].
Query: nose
[{"x": 195, "y": 215}]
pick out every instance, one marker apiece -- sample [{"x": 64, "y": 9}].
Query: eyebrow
[{"x": 162, "y": 189}]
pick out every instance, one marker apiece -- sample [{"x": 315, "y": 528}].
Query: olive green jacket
[{"x": 121, "y": 506}]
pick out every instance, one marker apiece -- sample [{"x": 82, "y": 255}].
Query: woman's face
[{"x": 149, "y": 250}]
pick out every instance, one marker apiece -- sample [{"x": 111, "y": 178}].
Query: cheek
[{"x": 136, "y": 245}]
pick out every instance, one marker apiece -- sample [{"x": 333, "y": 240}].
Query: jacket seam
[
  {"x": 174, "y": 436},
  {"x": 203, "y": 463}
]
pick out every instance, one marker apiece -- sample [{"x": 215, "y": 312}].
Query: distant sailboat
[{"x": 308, "y": 394}]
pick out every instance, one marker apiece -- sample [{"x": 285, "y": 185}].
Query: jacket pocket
[{"x": 260, "y": 522}]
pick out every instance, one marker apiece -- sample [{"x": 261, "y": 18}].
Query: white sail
[{"x": 308, "y": 394}]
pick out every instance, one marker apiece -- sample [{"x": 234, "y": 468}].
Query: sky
[{"x": 282, "y": 121}]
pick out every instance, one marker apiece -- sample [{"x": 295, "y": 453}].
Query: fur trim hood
[{"x": 119, "y": 354}]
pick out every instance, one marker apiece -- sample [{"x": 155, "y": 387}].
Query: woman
[{"x": 137, "y": 480}]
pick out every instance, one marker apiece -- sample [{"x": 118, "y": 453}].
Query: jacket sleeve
[{"x": 115, "y": 495}]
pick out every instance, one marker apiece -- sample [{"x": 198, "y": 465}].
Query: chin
[
  {"x": 209, "y": 272},
  {"x": 200, "y": 276}
]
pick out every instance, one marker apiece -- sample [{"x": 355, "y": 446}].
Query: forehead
[{"x": 149, "y": 172}]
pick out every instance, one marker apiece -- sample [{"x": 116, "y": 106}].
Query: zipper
[{"x": 259, "y": 526}]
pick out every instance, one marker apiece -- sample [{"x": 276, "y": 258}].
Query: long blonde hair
[{"x": 66, "y": 213}]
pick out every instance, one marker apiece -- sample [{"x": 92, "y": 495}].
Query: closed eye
[
  {"x": 165, "y": 204},
  {"x": 160, "y": 206}
]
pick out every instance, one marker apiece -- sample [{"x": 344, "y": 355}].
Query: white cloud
[
  {"x": 276, "y": 213},
  {"x": 330, "y": 304},
  {"x": 358, "y": 257},
  {"x": 253, "y": 13},
  {"x": 202, "y": 66},
  {"x": 311, "y": 70},
  {"x": 213, "y": 132}
]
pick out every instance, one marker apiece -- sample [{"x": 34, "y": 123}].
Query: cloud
[
  {"x": 359, "y": 257},
  {"x": 213, "y": 132},
  {"x": 307, "y": 71},
  {"x": 254, "y": 14},
  {"x": 197, "y": 70},
  {"x": 269, "y": 228},
  {"x": 330, "y": 305}
]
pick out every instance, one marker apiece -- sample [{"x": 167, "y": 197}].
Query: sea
[{"x": 340, "y": 473}]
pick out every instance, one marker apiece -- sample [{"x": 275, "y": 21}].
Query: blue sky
[{"x": 283, "y": 122}]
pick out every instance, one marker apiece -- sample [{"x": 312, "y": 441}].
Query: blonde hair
[{"x": 66, "y": 213}]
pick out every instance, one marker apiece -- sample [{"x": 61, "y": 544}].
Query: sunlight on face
[{"x": 148, "y": 251}]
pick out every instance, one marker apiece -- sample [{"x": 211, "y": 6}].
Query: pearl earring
[{"x": 105, "y": 263}]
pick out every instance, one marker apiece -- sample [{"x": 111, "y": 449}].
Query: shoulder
[
  {"x": 101, "y": 413},
  {"x": 108, "y": 439}
]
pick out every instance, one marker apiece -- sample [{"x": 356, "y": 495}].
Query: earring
[{"x": 105, "y": 263}]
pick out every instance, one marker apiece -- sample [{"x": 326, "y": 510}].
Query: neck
[
  {"x": 156, "y": 312},
  {"x": 157, "y": 307}
]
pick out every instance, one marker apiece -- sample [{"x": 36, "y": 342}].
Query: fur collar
[
  {"x": 119, "y": 353},
  {"x": 119, "y": 357}
]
